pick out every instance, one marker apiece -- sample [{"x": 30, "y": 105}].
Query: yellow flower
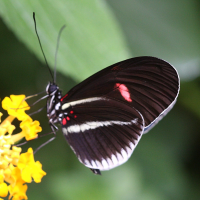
[
  {"x": 30, "y": 169},
  {"x": 17, "y": 188},
  {"x": 16, "y": 168},
  {"x": 30, "y": 128},
  {"x": 16, "y": 106},
  {"x": 3, "y": 190}
]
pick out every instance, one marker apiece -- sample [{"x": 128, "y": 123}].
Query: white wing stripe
[
  {"x": 93, "y": 125},
  {"x": 82, "y": 101}
]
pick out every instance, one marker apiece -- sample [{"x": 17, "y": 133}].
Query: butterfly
[{"x": 104, "y": 117}]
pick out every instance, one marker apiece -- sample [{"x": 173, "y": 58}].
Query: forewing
[
  {"x": 102, "y": 132},
  {"x": 147, "y": 84}
]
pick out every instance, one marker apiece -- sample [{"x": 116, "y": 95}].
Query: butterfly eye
[{"x": 51, "y": 89}]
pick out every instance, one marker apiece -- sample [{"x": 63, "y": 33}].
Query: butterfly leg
[
  {"x": 42, "y": 145},
  {"x": 54, "y": 129}
]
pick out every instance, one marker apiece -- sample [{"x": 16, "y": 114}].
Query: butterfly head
[{"x": 52, "y": 89}]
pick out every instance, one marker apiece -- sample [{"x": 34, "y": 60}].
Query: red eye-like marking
[
  {"x": 124, "y": 91},
  {"x": 64, "y": 121},
  {"x": 75, "y": 116},
  {"x": 63, "y": 97},
  {"x": 67, "y": 118},
  {"x": 71, "y": 112}
]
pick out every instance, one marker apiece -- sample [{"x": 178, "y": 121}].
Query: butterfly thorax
[{"x": 53, "y": 103}]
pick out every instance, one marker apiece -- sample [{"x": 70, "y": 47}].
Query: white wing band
[{"x": 93, "y": 125}]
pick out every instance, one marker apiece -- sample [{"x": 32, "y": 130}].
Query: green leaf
[
  {"x": 165, "y": 29},
  {"x": 91, "y": 41}
]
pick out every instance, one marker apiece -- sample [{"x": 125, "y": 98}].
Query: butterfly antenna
[
  {"x": 58, "y": 41},
  {"x": 41, "y": 45}
]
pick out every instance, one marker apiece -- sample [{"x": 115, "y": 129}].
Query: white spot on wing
[
  {"x": 110, "y": 163},
  {"x": 131, "y": 145},
  {"x": 119, "y": 157},
  {"x": 124, "y": 154},
  {"x": 105, "y": 164},
  {"x": 94, "y": 164},
  {"x": 99, "y": 164},
  {"x": 129, "y": 151},
  {"x": 86, "y": 162},
  {"x": 114, "y": 160}
]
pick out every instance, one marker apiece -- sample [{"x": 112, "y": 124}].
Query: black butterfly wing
[
  {"x": 102, "y": 132},
  {"x": 107, "y": 113},
  {"x": 148, "y": 84}
]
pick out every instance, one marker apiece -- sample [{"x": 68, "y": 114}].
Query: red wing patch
[
  {"x": 64, "y": 121},
  {"x": 123, "y": 91},
  {"x": 63, "y": 97}
]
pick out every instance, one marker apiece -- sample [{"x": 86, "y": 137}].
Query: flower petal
[
  {"x": 29, "y": 168},
  {"x": 16, "y": 106},
  {"x": 18, "y": 191},
  {"x": 3, "y": 190},
  {"x": 30, "y": 128}
]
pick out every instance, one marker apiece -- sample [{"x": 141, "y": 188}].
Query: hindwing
[{"x": 102, "y": 132}]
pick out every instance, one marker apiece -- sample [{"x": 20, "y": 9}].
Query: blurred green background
[{"x": 166, "y": 162}]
